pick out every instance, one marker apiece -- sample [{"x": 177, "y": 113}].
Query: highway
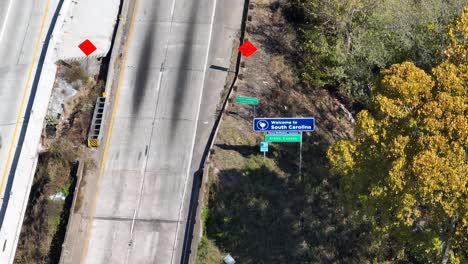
[
  {"x": 20, "y": 26},
  {"x": 23, "y": 29},
  {"x": 138, "y": 215}
]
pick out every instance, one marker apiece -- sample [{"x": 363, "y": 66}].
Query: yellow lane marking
[
  {"x": 23, "y": 99},
  {"x": 106, "y": 146}
]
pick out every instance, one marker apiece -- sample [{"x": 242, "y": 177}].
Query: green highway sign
[
  {"x": 283, "y": 137},
  {"x": 246, "y": 100}
]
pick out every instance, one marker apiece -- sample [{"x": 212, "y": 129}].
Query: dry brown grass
[{"x": 46, "y": 220}]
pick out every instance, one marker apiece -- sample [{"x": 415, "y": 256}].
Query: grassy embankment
[{"x": 265, "y": 212}]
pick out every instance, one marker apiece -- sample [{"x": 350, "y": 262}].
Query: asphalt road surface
[
  {"x": 20, "y": 23},
  {"x": 139, "y": 210}
]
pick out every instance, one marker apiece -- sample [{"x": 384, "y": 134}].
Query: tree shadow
[
  {"x": 262, "y": 217},
  {"x": 252, "y": 219},
  {"x": 286, "y": 154},
  {"x": 244, "y": 150}
]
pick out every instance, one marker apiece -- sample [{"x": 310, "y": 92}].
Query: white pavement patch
[{"x": 87, "y": 19}]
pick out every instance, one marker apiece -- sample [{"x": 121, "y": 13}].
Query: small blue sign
[
  {"x": 284, "y": 124},
  {"x": 263, "y": 146}
]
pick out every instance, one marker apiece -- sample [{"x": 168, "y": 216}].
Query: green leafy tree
[
  {"x": 345, "y": 44},
  {"x": 406, "y": 169}
]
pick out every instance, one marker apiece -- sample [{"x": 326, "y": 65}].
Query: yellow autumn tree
[
  {"x": 457, "y": 52},
  {"x": 406, "y": 170}
]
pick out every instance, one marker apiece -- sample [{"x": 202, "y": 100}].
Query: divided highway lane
[
  {"x": 138, "y": 211},
  {"x": 20, "y": 23}
]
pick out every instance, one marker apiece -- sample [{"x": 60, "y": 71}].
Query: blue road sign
[
  {"x": 284, "y": 124},
  {"x": 264, "y": 146}
]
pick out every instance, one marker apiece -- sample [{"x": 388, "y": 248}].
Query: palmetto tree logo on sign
[{"x": 262, "y": 125}]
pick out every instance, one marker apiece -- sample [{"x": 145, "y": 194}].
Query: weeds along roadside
[{"x": 63, "y": 145}]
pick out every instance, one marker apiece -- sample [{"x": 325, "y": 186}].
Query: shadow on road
[
  {"x": 144, "y": 71},
  {"x": 183, "y": 69}
]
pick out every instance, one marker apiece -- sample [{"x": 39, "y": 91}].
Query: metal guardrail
[{"x": 94, "y": 135}]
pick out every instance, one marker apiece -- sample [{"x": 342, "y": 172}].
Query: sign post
[
  {"x": 300, "y": 160},
  {"x": 285, "y": 130},
  {"x": 264, "y": 149}
]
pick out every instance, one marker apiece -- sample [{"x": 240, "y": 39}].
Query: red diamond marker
[
  {"x": 87, "y": 47},
  {"x": 247, "y": 49}
]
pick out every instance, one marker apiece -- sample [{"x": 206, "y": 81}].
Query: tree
[
  {"x": 406, "y": 169},
  {"x": 457, "y": 52},
  {"x": 345, "y": 44}
]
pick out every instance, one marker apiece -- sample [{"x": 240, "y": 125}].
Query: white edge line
[
  {"x": 196, "y": 124},
  {"x": 6, "y": 20},
  {"x": 138, "y": 204},
  {"x": 142, "y": 185},
  {"x": 173, "y": 8}
]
